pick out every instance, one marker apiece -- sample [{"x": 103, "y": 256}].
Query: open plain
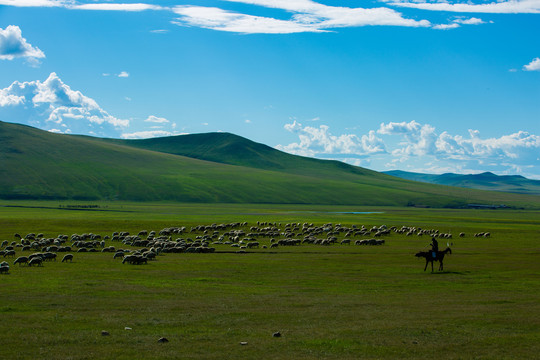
[{"x": 331, "y": 300}]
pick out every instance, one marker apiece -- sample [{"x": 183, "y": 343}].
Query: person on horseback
[{"x": 434, "y": 247}]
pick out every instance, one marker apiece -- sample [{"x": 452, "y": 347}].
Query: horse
[{"x": 428, "y": 255}]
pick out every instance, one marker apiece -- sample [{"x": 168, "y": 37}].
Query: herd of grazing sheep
[{"x": 146, "y": 245}]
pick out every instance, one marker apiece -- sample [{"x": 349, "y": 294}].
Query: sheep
[
  {"x": 10, "y": 253},
  {"x": 150, "y": 255},
  {"x": 35, "y": 255},
  {"x": 35, "y": 261},
  {"x": 128, "y": 259},
  {"x": 67, "y": 257},
  {"x": 135, "y": 259},
  {"x": 369, "y": 242},
  {"x": 48, "y": 256},
  {"x": 21, "y": 260},
  {"x": 4, "y": 269},
  {"x": 139, "y": 260}
]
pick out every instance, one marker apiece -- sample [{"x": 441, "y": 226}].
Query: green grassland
[
  {"x": 223, "y": 168},
  {"x": 328, "y": 302}
]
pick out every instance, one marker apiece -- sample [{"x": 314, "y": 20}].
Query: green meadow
[{"x": 327, "y": 302}]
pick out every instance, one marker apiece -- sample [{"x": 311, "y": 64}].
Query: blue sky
[{"x": 416, "y": 85}]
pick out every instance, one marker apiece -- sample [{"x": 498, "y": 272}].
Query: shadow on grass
[{"x": 451, "y": 272}]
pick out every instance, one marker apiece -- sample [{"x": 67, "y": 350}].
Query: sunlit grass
[{"x": 337, "y": 302}]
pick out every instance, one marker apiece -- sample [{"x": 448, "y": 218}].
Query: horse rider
[{"x": 434, "y": 247}]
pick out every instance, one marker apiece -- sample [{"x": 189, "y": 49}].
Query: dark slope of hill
[
  {"x": 232, "y": 149},
  {"x": 35, "y": 164},
  {"x": 483, "y": 181}
]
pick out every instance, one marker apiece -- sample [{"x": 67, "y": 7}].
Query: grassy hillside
[
  {"x": 35, "y": 164},
  {"x": 483, "y": 181},
  {"x": 232, "y": 149}
]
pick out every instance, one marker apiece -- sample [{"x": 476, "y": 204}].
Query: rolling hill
[
  {"x": 209, "y": 168},
  {"x": 484, "y": 181}
]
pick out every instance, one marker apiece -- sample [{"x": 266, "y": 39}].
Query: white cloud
[
  {"x": 457, "y": 22},
  {"x": 123, "y": 74},
  {"x": 222, "y": 20},
  {"x": 117, "y": 7},
  {"x": 155, "y": 119},
  {"x": 324, "y": 16},
  {"x": 53, "y": 103},
  {"x": 499, "y": 7},
  {"x": 75, "y": 5},
  {"x": 419, "y": 147},
  {"x": 534, "y": 65},
  {"x": 420, "y": 140},
  {"x": 57, "y": 131},
  {"x": 307, "y": 16},
  {"x": 148, "y": 134},
  {"x": 13, "y": 45},
  {"x": 446, "y": 26},
  {"x": 7, "y": 98},
  {"x": 470, "y": 21},
  {"x": 393, "y": 128},
  {"x": 33, "y": 3},
  {"x": 319, "y": 141}
]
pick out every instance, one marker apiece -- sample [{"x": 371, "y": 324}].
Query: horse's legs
[{"x": 425, "y": 267}]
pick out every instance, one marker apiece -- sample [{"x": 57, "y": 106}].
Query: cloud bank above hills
[{"x": 52, "y": 105}]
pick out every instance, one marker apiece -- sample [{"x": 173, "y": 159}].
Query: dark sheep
[
  {"x": 135, "y": 260},
  {"x": 67, "y": 257},
  {"x": 39, "y": 255},
  {"x": 35, "y": 261},
  {"x": 21, "y": 260},
  {"x": 48, "y": 256},
  {"x": 10, "y": 253}
]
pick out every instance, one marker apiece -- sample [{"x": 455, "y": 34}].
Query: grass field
[{"x": 328, "y": 302}]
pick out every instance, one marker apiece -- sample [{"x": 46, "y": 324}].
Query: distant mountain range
[
  {"x": 484, "y": 181},
  {"x": 207, "y": 168}
]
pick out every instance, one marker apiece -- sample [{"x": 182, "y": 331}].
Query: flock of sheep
[{"x": 146, "y": 245}]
